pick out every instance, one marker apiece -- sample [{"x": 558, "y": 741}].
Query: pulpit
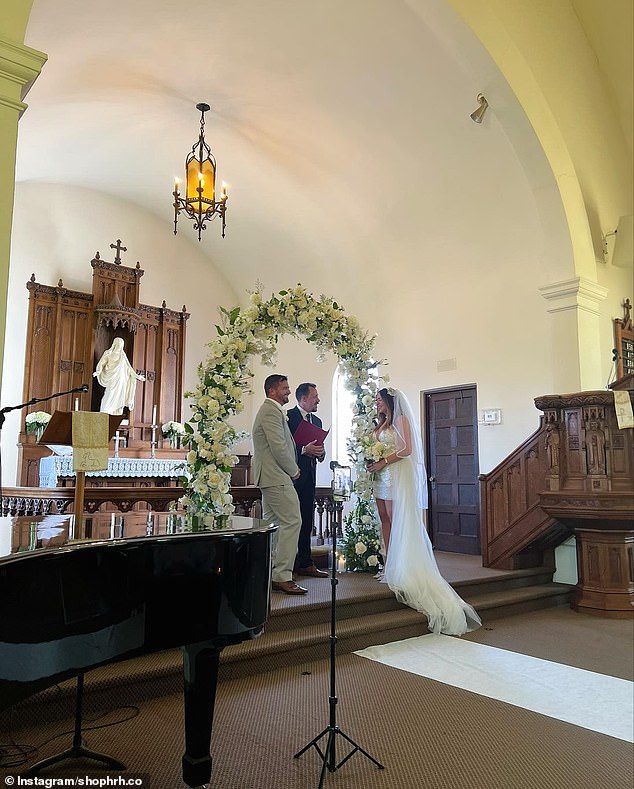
[{"x": 589, "y": 488}]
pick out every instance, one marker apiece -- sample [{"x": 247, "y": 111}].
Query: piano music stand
[{"x": 60, "y": 431}]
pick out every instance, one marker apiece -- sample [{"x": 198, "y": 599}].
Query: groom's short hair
[
  {"x": 303, "y": 390},
  {"x": 272, "y": 381}
]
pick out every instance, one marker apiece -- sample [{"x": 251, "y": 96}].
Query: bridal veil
[{"x": 411, "y": 571}]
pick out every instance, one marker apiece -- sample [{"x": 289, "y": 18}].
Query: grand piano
[{"x": 121, "y": 588}]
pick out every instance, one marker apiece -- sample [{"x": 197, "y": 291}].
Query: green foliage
[{"x": 361, "y": 544}]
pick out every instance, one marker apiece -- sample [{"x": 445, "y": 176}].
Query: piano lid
[{"x": 26, "y": 536}]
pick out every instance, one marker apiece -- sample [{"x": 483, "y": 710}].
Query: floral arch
[{"x": 225, "y": 377}]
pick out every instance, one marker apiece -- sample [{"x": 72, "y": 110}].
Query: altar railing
[{"x": 247, "y": 500}]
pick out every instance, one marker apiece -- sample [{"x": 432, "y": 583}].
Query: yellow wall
[
  {"x": 544, "y": 52},
  {"x": 19, "y": 67}
]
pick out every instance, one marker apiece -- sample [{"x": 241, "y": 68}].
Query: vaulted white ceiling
[{"x": 342, "y": 129}]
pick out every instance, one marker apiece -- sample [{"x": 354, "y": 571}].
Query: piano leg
[{"x": 200, "y": 671}]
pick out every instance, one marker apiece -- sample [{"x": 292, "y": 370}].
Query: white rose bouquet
[
  {"x": 175, "y": 431},
  {"x": 36, "y": 421}
]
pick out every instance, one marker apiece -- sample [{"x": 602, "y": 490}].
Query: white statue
[{"x": 115, "y": 373}]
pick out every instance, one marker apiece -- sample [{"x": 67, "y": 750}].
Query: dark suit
[{"x": 305, "y": 487}]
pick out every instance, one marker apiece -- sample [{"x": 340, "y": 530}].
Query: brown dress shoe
[
  {"x": 289, "y": 587},
  {"x": 313, "y": 571}
]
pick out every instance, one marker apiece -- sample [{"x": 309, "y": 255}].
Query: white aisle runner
[{"x": 594, "y": 701}]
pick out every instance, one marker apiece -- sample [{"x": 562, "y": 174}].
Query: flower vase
[
  {"x": 207, "y": 522},
  {"x": 39, "y": 432},
  {"x": 175, "y": 442}
]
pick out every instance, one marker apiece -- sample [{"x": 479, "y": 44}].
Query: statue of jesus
[{"x": 115, "y": 373}]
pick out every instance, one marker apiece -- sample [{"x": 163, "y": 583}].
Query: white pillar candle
[
  {"x": 154, "y": 415},
  {"x": 77, "y": 404}
]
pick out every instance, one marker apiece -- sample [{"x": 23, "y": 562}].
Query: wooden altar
[{"x": 67, "y": 333}]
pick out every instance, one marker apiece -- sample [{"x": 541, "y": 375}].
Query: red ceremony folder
[{"x": 306, "y": 432}]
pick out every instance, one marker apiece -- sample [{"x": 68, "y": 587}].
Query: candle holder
[
  {"x": 117, "y": 440},
  {"x": 153, "y": 442}
]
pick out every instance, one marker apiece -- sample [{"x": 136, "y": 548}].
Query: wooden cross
[{"x": 119, "y": 249}]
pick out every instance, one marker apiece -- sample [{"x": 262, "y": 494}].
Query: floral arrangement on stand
[
  {"x": 36, "y": 422},
  {"x": 175, "y": 432},
  {"x": 225, "y": 377},
  {"x": 361, "y": 544}
]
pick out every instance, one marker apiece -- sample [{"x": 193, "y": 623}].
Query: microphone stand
[
  {"x": 78, "y": 749},
  {"x": 32, "y": 401},
  {"x": 329, "y": 755}
]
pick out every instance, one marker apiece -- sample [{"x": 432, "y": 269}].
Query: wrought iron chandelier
[{"x": 199, "y": 202}]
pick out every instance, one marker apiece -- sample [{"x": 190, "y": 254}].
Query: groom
[
  {"x": 307, "y": 456},
  {"x": 275, "y": 469}
]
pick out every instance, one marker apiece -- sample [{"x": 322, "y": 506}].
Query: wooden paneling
[{"x": 68, "y": 331}]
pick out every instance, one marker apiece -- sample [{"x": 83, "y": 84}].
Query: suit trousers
[
  {"x": 306, "y": 495},
  {"x": 280, "y": 505}
]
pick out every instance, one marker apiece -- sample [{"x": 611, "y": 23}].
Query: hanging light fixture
[{"x": 199, "y": 202}]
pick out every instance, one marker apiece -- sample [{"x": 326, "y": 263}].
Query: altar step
[
  {"x": 298, "y": 629},
  {"x": 376, "y": 619}
]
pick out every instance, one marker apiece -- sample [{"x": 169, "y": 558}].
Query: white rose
[
  {"x": 366, "y": 519},
  {"x": 360, "y": 548},
  {"x": 373, "y": 560}
]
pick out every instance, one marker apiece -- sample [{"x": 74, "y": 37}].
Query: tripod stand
[
  {"x": 78, "y": 749},
  {"x": 329, "y": 755}
]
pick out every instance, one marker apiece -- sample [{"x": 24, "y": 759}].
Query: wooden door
[{"x": 452, "y": 439}]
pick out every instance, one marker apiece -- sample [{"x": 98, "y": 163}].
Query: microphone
[
  {"x": 334, "y": 464},
  {"x": 83, "y": 388},
  {"x": 615, "y": 354}
]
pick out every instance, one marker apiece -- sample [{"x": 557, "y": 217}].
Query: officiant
[{"x": 308, "y": 454}]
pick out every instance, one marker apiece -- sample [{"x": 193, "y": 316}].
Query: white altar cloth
[{"x": 55, "y": 466}]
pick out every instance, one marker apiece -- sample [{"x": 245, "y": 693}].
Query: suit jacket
[
  {"x": 273, "y": 447},
  {"x": 307, "y": 464}
]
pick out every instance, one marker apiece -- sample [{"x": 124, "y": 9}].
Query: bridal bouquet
[
  {"x": 175, "y": 431},
  {"x": 361, "y": 545},
  {"x": 36, "y": 422}
]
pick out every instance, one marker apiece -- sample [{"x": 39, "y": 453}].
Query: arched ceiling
[{"x": 342, "y": 128}]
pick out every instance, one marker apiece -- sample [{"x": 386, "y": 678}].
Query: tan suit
[{"x": 273, "y": 465}]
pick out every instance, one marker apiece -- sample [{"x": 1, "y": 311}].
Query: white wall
[{"x": 56, "y": 232}]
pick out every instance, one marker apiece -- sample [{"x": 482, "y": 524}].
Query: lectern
[{"x": 60, "y": 431}]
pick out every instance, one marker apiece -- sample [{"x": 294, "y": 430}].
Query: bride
[{"x": 400, "y": 490}]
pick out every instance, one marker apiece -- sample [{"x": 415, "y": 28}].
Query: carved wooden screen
[{"x": 67, "y": 333}]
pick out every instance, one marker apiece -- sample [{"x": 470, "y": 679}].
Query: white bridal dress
[{"x": 411, "y": 571}]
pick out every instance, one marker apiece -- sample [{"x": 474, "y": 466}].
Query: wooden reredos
[{"x": 68, "y": 331}]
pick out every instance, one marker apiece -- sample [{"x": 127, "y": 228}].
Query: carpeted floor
[{"x": 427, "y": 734}]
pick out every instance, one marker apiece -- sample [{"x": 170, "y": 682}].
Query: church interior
[{"x": 468, "y": 167}]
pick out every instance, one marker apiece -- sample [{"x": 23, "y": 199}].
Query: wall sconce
[
  {"x": 477, "y": 115},
  {"x": 199, "y": 202}
]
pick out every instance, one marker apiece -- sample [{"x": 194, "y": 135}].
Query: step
[
  {"x": 299, "y": 633},
  {"x": 531, "y": 576},
  {"x": 520, "y": 600},
  {"x": 308, "y": 645}
]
